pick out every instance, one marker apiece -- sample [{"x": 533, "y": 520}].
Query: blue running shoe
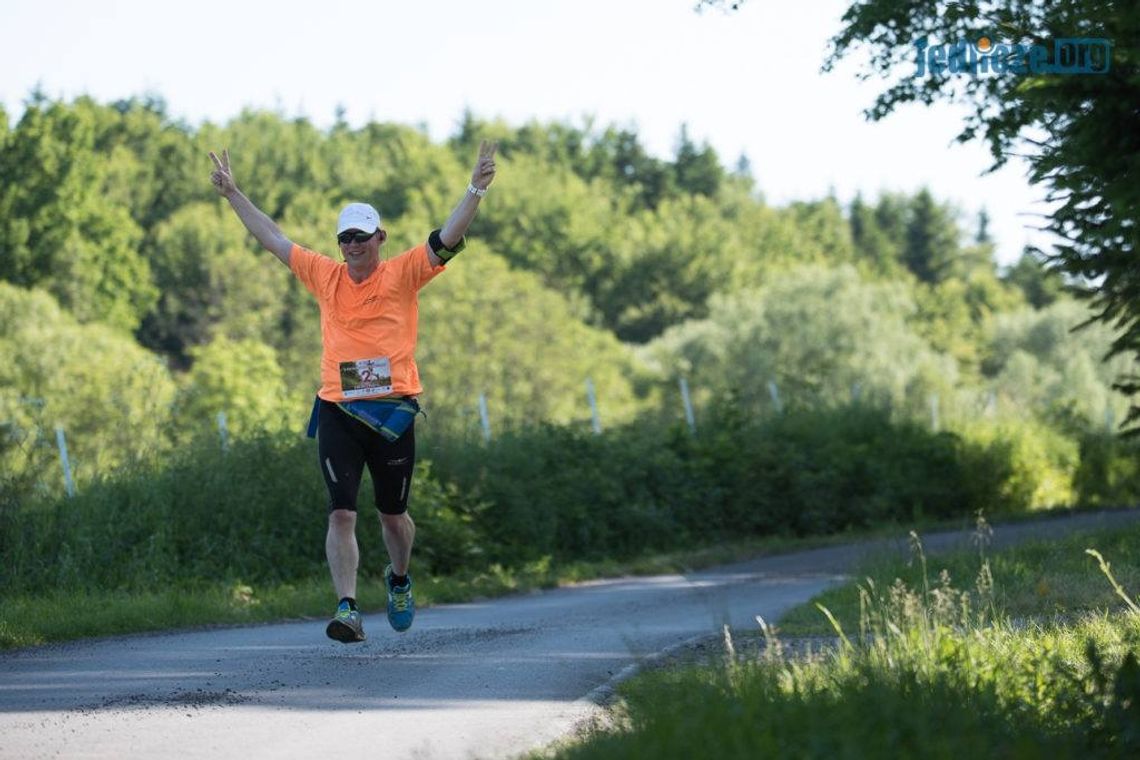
[
  {"x": 346, "y": 626},
  {"x": 401, "y": 606}
]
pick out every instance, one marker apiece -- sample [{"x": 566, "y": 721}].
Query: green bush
[
  {"x": 447, "y": 533},
  {"x": 570, "y": 494},
  {"x": 1018, "y": 466},
  {"x": 810, "y": 472},
  {"x": 256, "y": 512},
  {"x": 1109, "y": 471},
  {"x": 557, "y": 491}
]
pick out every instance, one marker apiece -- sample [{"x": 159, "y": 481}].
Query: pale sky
[{"x": 747, "y": 82}]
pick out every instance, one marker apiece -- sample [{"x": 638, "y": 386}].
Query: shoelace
[{"x": 400, "y": 600}]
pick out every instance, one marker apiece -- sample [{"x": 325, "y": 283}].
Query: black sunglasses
[{"x": 355, "y": 236}]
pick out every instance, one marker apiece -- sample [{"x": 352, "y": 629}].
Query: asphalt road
[{"x": 486, "y": 680}]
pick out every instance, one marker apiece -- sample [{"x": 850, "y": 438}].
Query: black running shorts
[{"x": 345, "y": 445}]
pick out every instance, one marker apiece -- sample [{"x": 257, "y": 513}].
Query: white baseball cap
[{"x": 358, "y": 216}]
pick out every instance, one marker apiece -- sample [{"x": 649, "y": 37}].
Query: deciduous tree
[{"x": 1079, "y": 133}]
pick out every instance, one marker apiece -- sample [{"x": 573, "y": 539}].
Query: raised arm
[
  {"x": 260, "y": 226},
  {"x": 456, "y": 225}
]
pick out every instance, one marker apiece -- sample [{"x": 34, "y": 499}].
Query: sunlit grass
[
  {"x": 919, "y": 667},
  {"x": 1038, "y": 580},
  {"x": 993, "y": 692}
]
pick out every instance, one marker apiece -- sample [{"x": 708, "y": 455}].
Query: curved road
[{"x": 490, "y": 679}]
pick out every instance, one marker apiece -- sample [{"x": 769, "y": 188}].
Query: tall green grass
[
  {"x": 1039, "y": 580},
  {"x": 999, "y": 692},
  {"x": 931, "y": 670}
]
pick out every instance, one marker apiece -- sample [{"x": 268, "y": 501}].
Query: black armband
[{"x": 441, "y": 250}]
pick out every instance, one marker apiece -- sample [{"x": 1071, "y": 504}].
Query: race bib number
[{"x": 366, "y": 377}]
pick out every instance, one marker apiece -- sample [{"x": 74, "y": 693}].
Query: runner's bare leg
[
  {"x": 399, "y": 533},
  {"x": 343, "y": 552}
]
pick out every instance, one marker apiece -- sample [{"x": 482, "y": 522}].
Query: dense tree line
[
  {"x": 134, "y": 308},
  {"x": 1079, "y": 132}
]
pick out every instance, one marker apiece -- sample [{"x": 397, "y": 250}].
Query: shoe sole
[{"x": 343, "y": 633}]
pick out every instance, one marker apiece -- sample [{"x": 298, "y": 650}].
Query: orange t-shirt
[{"x": 368, "y": 329}]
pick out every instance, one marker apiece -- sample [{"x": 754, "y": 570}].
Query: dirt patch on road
[{"x": 195, "y": 698}]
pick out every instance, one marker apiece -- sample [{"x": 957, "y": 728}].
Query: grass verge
[
  {"x": 1036, "y": 580},
  {"x": 1035, "y": 657},
  {"x": 56, "y": 616}
]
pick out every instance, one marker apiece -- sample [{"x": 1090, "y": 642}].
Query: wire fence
[{"x": 30, "y": 446}]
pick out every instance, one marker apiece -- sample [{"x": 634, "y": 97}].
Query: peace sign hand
[
  {"x": 484, "y": 172},
  {"x": 222, "y": 177}
]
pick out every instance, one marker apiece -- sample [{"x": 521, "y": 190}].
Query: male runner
[{"x": 366, "y": 406}]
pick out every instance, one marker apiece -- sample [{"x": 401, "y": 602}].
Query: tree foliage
[
  {"x": 58, "y": 228},
  {"x": 241, "y": 379},
  {"x": 488, "y": 330},
  {"x": 1036, "y": 360},
  {"x": 1080, "y": 134},
  {"x": 1040, "y": 285},
  {"x": 820, "y": 336},
  {"x": 588, "y": 248},
  {"x": 211, "y": 282},
  {"x": 111, "y": 397}
]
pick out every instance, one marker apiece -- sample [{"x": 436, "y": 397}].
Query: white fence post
[
  {"x": 934, "y": 421},
  {"x": 484, "y": 417},
  {"x": 61, "y": 442},
  {"x": 223, "y": 431},
  {"x": 596, "y": 421},
  {"x": 774, "y": 392},
  {"x": 688, "y": 403}
]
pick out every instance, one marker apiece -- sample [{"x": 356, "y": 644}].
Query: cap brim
[{"x": 357, "y": 224}]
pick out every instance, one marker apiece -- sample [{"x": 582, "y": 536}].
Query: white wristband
[{"x": 476, "y": 191}]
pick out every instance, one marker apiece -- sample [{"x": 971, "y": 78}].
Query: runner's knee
[
  {"x": 342, "y": 517},
  {"x": 397, "y": 520}
]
